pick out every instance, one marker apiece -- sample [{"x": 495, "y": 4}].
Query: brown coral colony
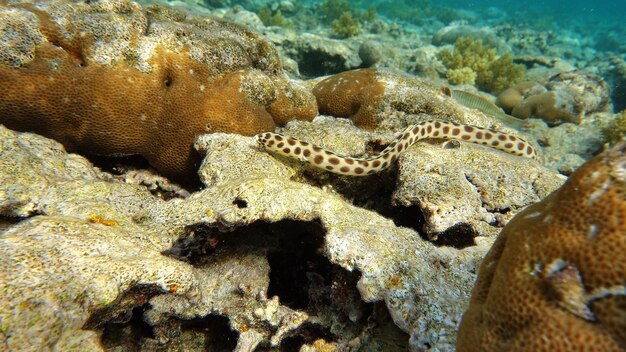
[
  {"x": 155, "y": 107},
  {"x": 554, "y": 279}
]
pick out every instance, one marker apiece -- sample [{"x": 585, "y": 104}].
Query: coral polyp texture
[
  {"x": 355, "y": 94},
  {"x": 555, "y": 280},
  {"x": 113, "y": 78}
]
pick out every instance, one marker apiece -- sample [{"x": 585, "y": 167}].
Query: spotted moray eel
[{"x": 346, "y": 165}]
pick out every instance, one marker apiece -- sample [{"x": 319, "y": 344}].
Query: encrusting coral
[
  {"x": 555, "y": 279},
  {"x": 113, "y": 78}
]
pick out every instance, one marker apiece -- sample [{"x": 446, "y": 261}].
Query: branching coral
[
  {"x": 346, "y": 25},
  {"x": 555, "y": 279},
  {"x": 492, "y": 73},
  {"x": 270, "y": 18}
]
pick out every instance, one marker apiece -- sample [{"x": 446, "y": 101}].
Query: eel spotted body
[{"x": 345, "y": 165}]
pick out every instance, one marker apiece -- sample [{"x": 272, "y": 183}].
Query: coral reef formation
[
  {"x": 215, "y": 253},
  {"x": 265, "y": 258},
  {"x": 370, "y": 53},
  {"x": 113, "y": 78},
  {"x": 368, "y": 95},
  {"x": 317, "y": 55},
  {"x": 472, "y": 62},
  {"x": 566, "y": 97},
  {"x": 555, "y": 278},
  {"x": 273, "y": 18}
]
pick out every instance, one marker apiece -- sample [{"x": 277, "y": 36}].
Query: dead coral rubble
[
  {"x": 555, "y": 278},
  {"x": 113, "y": 78}
]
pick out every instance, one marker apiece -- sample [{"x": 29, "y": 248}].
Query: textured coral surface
[
  {"x": 356, "y": 94},
  {"x": 555, "y": 280},
  {"x": 113, "y": 78},
  {"x": 375, "y": 98}
]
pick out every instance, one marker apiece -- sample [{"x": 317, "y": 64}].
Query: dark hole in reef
[
  {"x": 293, "y": 253},
  {"x": 6, "y": 222},
  {"x": 411, "y": 217},
  {"x": 307, "y": 333},
  {"x": 128, "y": 335},
  {"x": 295, "y": 262},
  {"x": 117, "y": 166},
  {"x": 240, "y": 203},
  {"x": 299, "y": 275},
  {"x": 458, "y": 236},
  {"x": 218, "y": 336},
  {"x": 316, "y": 63},
  {"x": 122, "y": 309},
  {"x": 386, "y": 334},
  {"x": 369, "y": 192},
  {"x": 505, "y": 210}
]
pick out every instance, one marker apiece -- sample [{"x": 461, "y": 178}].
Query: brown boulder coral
[
  {"x": 555, "y": 280},
  {"x": 113, "y": 78},
  {"x": 364, "y": 95},
  {"x": 355, "y": 94},
  {"x": 566, "y": 97}
]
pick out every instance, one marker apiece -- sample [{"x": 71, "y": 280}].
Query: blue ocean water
[{"x": 595, "y": 14}]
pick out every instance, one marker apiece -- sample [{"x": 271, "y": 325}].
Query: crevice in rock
[
  {"x": 458, "y": 236},
  {"x": 306, "y": 334},
  {"x": 300, "y": 275},
  {"x": 160, "y": 186},
  {"x": 293, "y": 261},
  {"x": 123, "y": 308},
  {"x": 215, "y": 330},
  {"x": 317, "y": 63},
  {"x": 124, "y": 329},
  {"x": 7, "y": 222},
  {"x": 411, "y": 217},
  {"x": 210, "y": 333},
  {"x": 127, "y": 335}
]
